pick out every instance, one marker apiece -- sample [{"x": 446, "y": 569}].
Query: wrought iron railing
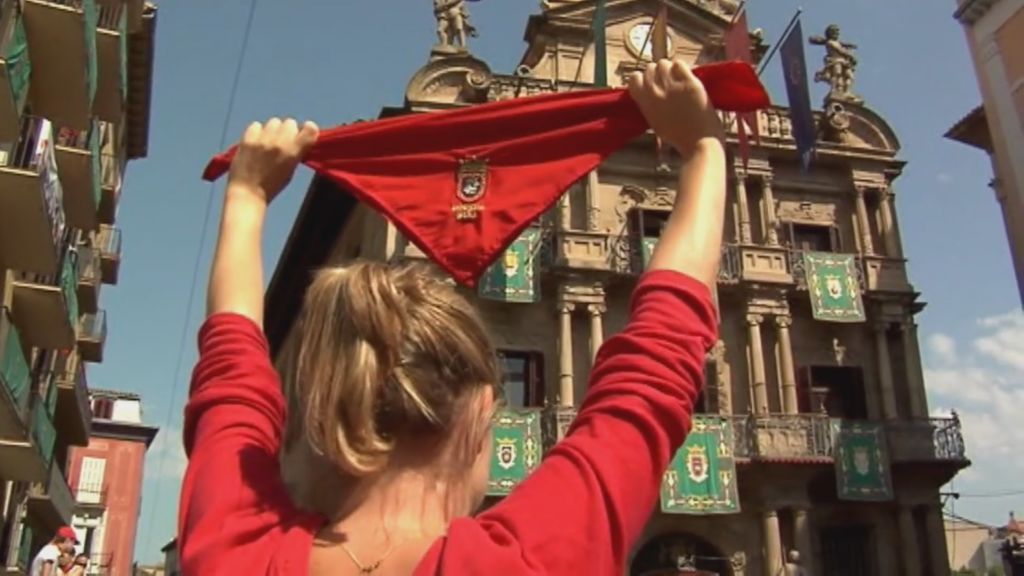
[
  {"x": 44, "y": 434},
  {"x": 25, "y": 546},
  {"x": 93, "y": 327},
  {"x": 69, "y": 285},
  {"x": 110, "y": 172},
  {"x": 108, "y": 240},
  {"x": 17, "y": 62},
  {"x": 730, "y": 269},
  {"x": 91, "y": 496},
  {"x": 928, "y": 439},
  {"x": 85, "y": 141},
  {"x": 14, "y": 368},
  {"x": 89, "y": 266}
]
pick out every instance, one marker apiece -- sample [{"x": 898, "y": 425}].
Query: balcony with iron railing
[
  {"x": 16, "y": 377},
  {"x": 78, "y": 155},
  {"x": 110, "y": 180},
  {"x": 92, "y": 336},
  {"x": 74, "y": 413},
  {"x": 91, "y": 497},
  {"x": 108, "y": 241},
  {"x": 15, "y": 76},
  {"x": 51, "y": 501},
  {"x": 62, "y": 39},
  {"x": 809, "y": 438},
  {"x": 32, "y": 220},
  {"x": 112, "y": 52},
  {"x": 46, "y": 308},
  {"x": 90, "y": 279}
]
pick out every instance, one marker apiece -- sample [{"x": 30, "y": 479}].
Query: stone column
[
  {"x": 596, "y": 327},
  {"x": 915, "y": 373},
  {"x": 888, "y": 223},
  {"x": 885, "y": 372},
  {"x": 771, "y": 225},
  {"x": 746, "y": 236},
  {"x": 593, "y": 201},
  {"x": 758, "y": 384},
  {"x": 936, "y": 540},
  {"x": 564, "y": 212},
  {"x": 790, "y": 402},
  {"x": 910, "y": 553},
  {"x": 565, "y": 373},
  {"x": 723, "y": 378},
  {"x": 862, "y": 222},
  {"x": 772, "y": 544},
  {"x": 803, "y": 538}
]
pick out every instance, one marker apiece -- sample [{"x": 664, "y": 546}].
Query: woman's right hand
[
  {"x": 675, "y": 104},
  {"x": 267, "y": 157}
]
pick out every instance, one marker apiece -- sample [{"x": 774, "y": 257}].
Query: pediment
[{"x": 453, "y": 79}]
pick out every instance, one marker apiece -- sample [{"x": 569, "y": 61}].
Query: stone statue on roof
[
  {"x": 839, "y": 66},
  {"x": 453, "y": 25}
]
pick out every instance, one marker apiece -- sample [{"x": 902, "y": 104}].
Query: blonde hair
[{"x": 390, "y": 360}]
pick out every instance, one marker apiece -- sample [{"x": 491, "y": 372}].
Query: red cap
[{"x": 68, "y": 533}]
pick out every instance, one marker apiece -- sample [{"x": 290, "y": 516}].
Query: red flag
[{"x": 737, "y": 47}]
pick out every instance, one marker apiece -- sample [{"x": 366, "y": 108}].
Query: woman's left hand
[{"x": 267, "y": 157}]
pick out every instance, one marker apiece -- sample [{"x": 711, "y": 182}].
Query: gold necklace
[{"x": 372, "y": 567}]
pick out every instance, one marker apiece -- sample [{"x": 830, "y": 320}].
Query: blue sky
[{"x": 336, "y": 61}]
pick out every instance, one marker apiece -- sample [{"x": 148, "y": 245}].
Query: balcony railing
[
  {"x": 90, "y": 278},
  {"x": 74, "y": 413},
  {"x": 110, "y": 178},
  {"x": 14, "y": 368},
  {"x": 808, "y": 437},
  {"x": 91, "y": 496},
  {"x": 112, "y": 49},
  {"x": 44, "y": 434},
  {"x": 92, "y": 335},
  {"x": 17, "y": 70},
  {"x": 69, "y": 285},
  {"x": 108, "y": 241},
  {"x": 25, "y": 547},
  {"x": 927, "y": 440},
  {"x": 51, "y": 499}
]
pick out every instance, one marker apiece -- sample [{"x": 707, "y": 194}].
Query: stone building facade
[{"x": 804, "y": 397}]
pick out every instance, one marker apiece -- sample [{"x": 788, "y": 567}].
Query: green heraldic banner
[
  {"x": 515, "y": 449},
  {"x": 833, "y": 286},
  {"x": 513, "y": 277},
  {"x": 701, "y": 479},
  {"x": 862, "y": 462}
]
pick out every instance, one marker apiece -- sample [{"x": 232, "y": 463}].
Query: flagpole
[
  {"x": 782, "y": 39},
  {"x": 739, "y": 11}
]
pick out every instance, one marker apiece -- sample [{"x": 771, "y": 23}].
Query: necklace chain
[{"x": 364, "y": 569}]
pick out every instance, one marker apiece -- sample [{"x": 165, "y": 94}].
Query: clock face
[{"x": 640, "y": 39}]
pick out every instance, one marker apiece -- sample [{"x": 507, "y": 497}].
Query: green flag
[{"x": 600, "y": 46}]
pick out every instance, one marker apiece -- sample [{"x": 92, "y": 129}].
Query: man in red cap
[{"x": 45, "y": 562}]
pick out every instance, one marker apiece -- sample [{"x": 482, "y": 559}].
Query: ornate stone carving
[
  {"x": 738, "y": 561},
  {"x": 783, "y": 321},
  {"x": 839, "y": 67},
  {"x": 660, "y": 197},
  {"x": 453, "y": 26},
  {"x": 807, "y": 212},
  {"x": 754, "y": 319},
  {"x": 837, "y": 123}
]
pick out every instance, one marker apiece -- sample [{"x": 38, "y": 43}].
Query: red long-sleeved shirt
[{"x": 585, "y": 505}]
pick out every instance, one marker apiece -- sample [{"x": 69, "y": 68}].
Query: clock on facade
[{"x": 638, "y": 36}]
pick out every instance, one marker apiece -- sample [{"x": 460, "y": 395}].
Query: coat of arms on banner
[
  {"x": 701, "y": 479},
  {"x": 516, "y": 449},
  {"x": 833, "y": 285},
  {"x": 697, "y": 463},
  {"x": 506, "y": 452},
  {"x": 470, "y": 188},
  {"x": 861, "y": 461}
]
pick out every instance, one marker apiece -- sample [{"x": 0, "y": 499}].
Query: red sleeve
[
  {"x": 586, "y": 505},
  {"x": 235, "y": 515}
]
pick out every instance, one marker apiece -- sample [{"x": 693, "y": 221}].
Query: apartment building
[{"x": 75, "y": 80}]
